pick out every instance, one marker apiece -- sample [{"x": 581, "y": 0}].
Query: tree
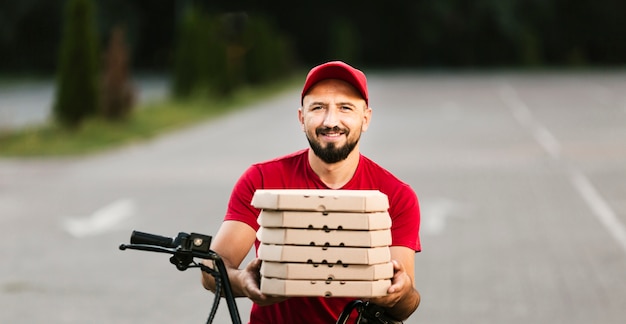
[
  {"x": 269, "y": 54},
  {"x": 200, "y": 61},
  {"x": 77, "y": 76},
  {"x": 118, "y": 93}
]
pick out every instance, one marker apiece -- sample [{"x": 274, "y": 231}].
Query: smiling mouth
[{"x": 330, "y": 132}]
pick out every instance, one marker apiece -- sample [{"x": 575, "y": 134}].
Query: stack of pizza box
[{"x": 324, "y": 242}]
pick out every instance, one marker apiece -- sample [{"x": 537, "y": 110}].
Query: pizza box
[
  {"x": 325, "y": 220},
  {"x": 318, "y": 237},
  {"x": 321, "y": 200},
  {"x": 316, "y": 254},
  {"x": 310, "y": 271},
  {"x": 324, "y": 288}
]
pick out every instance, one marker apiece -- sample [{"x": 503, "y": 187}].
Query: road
[{"x": 520, "y": 179}]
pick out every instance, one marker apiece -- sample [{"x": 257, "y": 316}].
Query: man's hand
[
  {"x": 402, "y": 298},
  {"x": 250, "y": 278},
  {"x": 401, "y": 284}
]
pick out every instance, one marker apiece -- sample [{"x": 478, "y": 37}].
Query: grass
[{"x": 146, "y": 122}]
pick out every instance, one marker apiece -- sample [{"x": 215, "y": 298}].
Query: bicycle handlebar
[
  {"x": 184, "y": 248},
  {"x": 138, "y": 237}
]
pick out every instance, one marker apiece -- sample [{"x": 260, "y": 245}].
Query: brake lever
[{"x": 146, "y": 247}]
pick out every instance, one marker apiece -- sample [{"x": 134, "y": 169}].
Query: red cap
[{"x": 336, "y": 70}]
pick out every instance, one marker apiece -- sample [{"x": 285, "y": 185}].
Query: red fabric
[
  {"x": 336, "y": 70},
  {"x": 293, "y": 172}
]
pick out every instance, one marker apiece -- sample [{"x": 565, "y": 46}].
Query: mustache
[{"x": 326, "y": 130}]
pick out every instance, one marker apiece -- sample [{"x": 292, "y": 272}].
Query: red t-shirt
[{"x": 294, "y": 172}]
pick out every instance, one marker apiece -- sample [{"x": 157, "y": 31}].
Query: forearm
[
  {"x": 208, "y": 281},
  {"x": 405, "y": 306},
  {"x": 231, "y": 253}
]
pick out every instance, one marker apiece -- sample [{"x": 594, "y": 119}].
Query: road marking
[
  {"x": 102, "y": 220},
  {"x": 598, "y": 205},
  {"x": 519, "y": 108},
  {"x": 434, "y": 213},
  {"x": 522, "y": 113},
  {"x": 549, "y": 143}
]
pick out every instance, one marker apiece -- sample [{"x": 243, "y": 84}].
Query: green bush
[
  {"x": 77, "y": 83},
  {"x": 217, "y": 54}
]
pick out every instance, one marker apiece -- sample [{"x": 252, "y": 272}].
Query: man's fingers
[{"x": 397, "y": 266}]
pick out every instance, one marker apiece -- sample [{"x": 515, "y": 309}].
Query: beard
[{"x": 332, "y": 153}]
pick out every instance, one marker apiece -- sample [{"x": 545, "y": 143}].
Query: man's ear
[
  {"x": 367, "y": 117},
  {"x": 301, "y": 118}
]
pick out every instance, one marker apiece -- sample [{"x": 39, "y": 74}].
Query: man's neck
[{"x": 335, "y": 175}]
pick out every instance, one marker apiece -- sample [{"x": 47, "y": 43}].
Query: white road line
[
  {"x": 522, "y": 114},
  {"x": 102, "y": 220},
  {"x": 519, "y": 108},
  {"x": 549, "y": 143},
  {"x": 581, "y": 183},
  {"x": 599, "y": 206}
]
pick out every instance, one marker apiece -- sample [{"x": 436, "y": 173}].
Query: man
[{"x": 334, "y": 112}]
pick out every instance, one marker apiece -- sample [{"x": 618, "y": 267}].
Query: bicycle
[{"x": 185, "y": 247}]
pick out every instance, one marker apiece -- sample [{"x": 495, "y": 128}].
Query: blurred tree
[
  {"x": 77, "y": 84},
  {"x": 185, "y": 70},
  {"x": 231, "y": 32},
  {"x": 344, "y": 41},
  {"x": 269, "y": 55},
  {"x": 117, "y": 91},
  {"x": 200, "y": 61},
  {"x": 28, "y": 32},
  {"x": 220, "y": 74},
  {"x": 409, "y": 33}
]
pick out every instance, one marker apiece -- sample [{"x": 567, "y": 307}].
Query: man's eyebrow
[
  {"x": 322, "y": 103},
  {"x": 317, "y": 103},
  {"x": 346, "y": 103}
]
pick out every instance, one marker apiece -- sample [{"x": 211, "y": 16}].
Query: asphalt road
[{"x": 520, "y": 178}]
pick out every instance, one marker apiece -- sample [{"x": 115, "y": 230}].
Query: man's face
[{"x": 333, "y": 116}]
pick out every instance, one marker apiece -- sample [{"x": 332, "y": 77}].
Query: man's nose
[{"x": 331, "y": 118}]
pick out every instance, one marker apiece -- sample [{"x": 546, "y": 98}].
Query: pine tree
[{"x": 77, "y": 74}]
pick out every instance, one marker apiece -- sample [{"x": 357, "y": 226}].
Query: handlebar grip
[{"x": 151, "y": 239}]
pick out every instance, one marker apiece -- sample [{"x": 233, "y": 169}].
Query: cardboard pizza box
[
  {"x": 325, "y": 220},
  {"x": 321, "y": 200},
  {"x": 322, "y": 288},
  {"x": 316, "y": 254},
  {"x": 317, "y": 237},
  {"x": 309, "y": 271}
]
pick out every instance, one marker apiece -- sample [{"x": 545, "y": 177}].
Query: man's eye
[{"x": 346, "y": 108}]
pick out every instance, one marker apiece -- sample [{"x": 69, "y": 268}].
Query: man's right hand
[{"x": 250, "y": 282}]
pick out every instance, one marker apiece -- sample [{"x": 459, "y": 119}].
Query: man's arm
[
  {"x": 232, "y": 243},
  {"x": 402, "y": 298}
]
